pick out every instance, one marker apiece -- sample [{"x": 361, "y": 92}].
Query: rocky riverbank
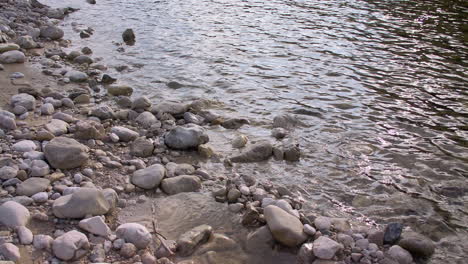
[{"x": 90, "y": 174}]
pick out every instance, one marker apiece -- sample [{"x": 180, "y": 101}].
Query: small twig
[{"x": 158, "y": 235}]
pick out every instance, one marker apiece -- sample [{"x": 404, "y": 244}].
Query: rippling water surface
[{"x": 380, "y": 86}]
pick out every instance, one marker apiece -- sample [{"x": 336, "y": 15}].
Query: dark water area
[{"x": 380, "y": 86}]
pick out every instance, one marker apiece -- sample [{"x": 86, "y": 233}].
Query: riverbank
[{"x": 126, "y": 156}]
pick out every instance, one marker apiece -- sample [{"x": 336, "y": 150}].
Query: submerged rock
[
  {"x": 188, "y": 242},
  {"x": 183, "y": 183},
  {"x": 258, "y": 152},
  {"x": 128, "y": 36}
]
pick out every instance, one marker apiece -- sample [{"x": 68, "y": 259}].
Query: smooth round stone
[{"x": 40, "y": 197}]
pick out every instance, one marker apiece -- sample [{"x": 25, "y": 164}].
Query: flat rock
[
  {"x": 95, "y": 225},
  {"x": 32, "y": 186},
  {"x": 65, "y": 153},
  {"x": 150, "y": 177},
  {"x": 183, "y": 183},
  {"x": 24, "y": 146},
  {"x": 13, "y": 214},
  {"x": 134, "y": 233},
  {"x": 258, "y": 152},
  {"x": 172, "y": 108},
  {"x": 83, "y": 202},
  {"x": 4, "y": 47},
  {"x": 286, "y": 229},
  {"x": 124, "y": 133},
  {"x": 120, "y": 90},
  {"x": 71, "y": 245},
  {"x": 187, "y": 242}
]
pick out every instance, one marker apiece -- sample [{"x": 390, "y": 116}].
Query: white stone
[{"x": 95, "y": 225}]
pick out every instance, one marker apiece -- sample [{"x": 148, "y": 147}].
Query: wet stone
[{"x": 392, "y": 233}]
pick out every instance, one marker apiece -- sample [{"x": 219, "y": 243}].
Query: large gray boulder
[
  {"x": 124, "y": 133},
  {"x": 51, "y": 32},
  {"x": 13, "y": 56},
  {"x": 183, "y": 183},
  {"x": 13, "y": 214},
  {"x": 82, "y": 202},
  {"x": 258, "y": 152},
  {"x": 183, "y": 138},
  {"x": 149, "y": 177},
  {"x": 134, "y": 233},
  {"x": 32, "y": 186},
  {"x": 286, "y": 228},
  {"x": 65, "y": 153},
  {"x": 70, "y": 246},
  {"x": 23, "y": 99}
]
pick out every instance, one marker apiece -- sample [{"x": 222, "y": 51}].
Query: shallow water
[{"x": 380, "y": 86}]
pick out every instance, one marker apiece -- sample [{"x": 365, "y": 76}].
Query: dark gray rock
[
  {"x": 183, "y": 138},
  {"x": 392, "y": 233}
]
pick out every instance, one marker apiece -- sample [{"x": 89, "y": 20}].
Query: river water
[{"x": 379, "y": 86}]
